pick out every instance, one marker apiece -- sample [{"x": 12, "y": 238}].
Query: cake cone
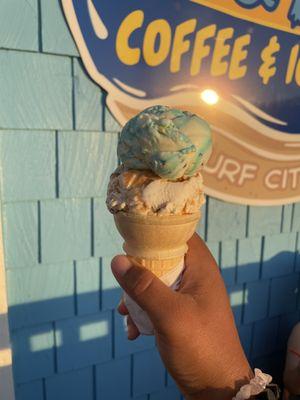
[{"x": 157, "y": 243}]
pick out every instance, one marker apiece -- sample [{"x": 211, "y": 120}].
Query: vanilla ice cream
[{"x": 143, "y": 192}]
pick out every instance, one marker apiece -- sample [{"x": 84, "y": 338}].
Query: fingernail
[{"x": 120, "y": 265}]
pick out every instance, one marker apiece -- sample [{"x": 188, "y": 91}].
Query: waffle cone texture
[{"x": 157, "y": 243}]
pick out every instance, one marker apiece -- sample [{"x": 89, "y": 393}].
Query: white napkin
[{"x": 139, "y": 316}]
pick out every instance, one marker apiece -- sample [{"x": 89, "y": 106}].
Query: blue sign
[{"x": 185, "y": 53}]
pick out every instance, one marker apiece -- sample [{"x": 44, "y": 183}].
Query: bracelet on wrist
[
  {"x": 259, "y": 387},
  {"x": 272, "y": 392}
]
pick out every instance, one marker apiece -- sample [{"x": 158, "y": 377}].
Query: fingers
[
  {"x": 199, "y": 252},
  {"x": 145, "y": 289},
  {"x": 199, "y": 258},
  {"x": 122, "y": 309},
  {"x": 132, "y": 332},
  {"x": 201, "y": 269}
]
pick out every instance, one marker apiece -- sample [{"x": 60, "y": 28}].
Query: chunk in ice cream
[{"x": 143, "y": 192}]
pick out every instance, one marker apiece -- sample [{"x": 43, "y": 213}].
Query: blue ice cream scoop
[{"x": 170, "y": 142}]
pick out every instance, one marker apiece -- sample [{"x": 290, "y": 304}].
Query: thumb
[{"x": 151, "y": 294}]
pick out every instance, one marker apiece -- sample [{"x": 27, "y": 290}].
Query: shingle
[
  {"x": 36, "y": 91},
  {"x": 88, "y": 100},
  {"x": 33, "y": 353},
  {"x": 256, "y": 301},
  {"x": 246, "y": 333},
  {"x": 228, "y": 261},
  {"x": 28, "y": 165},
  {"x": 279, "y": 255},
  {"x": 296, "y": 218},
  {"x": 22, "y": 33},
  {"x": 148, "y": 372},
  {"x": 225, "y": 220},
  {"x": 40, "y": 294},
  {"x": 108, "y": 241},
  {"x": 76, "y": 385},
  {"x": 264, "y": 340},
  {"x": 264, "y": 220},
  {"x": 236, "y": 297},
  {"x": 83, "y": 341},
  {"x": 88, "y": 286},
  {"x": 86, "y": 161},
  {"x": 111, "y": 292},
  {"x": 30, "y": 391},
  {"x": 56, "y": 37},
  {"x": 108, "y": 374},
  {"x": 65, "y": 230},
  {"x": 123, "y": 346},
  {"x": 20, "y": 226},
  {"x": 166, "y": 394},
  {"x": 249, "y": 258},
  {"x": 284, "y": 293}
]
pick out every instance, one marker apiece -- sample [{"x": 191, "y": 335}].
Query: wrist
[
  {"x": 226, "y": 388},
  {"x": 214, "y": 394}
]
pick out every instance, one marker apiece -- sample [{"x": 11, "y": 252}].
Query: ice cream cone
[{"x": 158, "y": 243}]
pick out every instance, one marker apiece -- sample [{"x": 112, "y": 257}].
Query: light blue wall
[{"x": 57, "y": 147}]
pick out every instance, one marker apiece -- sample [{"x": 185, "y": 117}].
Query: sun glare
[{"x": 210, "y": 97}]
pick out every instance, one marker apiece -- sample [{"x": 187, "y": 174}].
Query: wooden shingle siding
[{"x": 58, "y": 145}]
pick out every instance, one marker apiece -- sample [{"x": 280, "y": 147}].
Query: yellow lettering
[
  {"x": 239, "y": 54},
  {"x": 180, "y": 44},
  {"x": 200, "y": 49},
  {"x": 128, "y": 55},
  {"x": 161, "y": 28},
  {"x": 292, "y": 64},
  {"x": 219, "y": 65},
  {"x": 297, "y": 73}
]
